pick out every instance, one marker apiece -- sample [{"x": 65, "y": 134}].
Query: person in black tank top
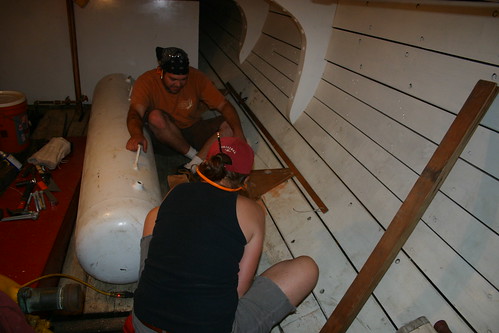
[{"x": 201, "y": 249}]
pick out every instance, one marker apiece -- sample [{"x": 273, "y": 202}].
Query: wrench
[{"x": 28, "y": 215}]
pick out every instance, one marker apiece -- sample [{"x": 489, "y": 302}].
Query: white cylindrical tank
[{"x": 118, "y": 188}]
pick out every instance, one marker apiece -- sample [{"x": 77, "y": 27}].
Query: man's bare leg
[
  {"x": 224, "y": 130},
  {"x": 168, "y": 133},
  {"x": 296, "y": 277}
]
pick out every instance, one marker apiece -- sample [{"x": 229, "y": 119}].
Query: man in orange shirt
[{"x": 169, "y": 101}]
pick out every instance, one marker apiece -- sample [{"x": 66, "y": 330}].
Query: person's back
[{"x": 190, "y": 279}]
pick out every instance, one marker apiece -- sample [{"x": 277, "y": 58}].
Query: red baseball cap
[{"x": 238, "y": 150}]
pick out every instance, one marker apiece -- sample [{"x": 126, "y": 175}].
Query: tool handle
[
  {"x": 53, "y": 200},
  {"x": 24, "y": 198},
  {"x": 136, "y": 162}
]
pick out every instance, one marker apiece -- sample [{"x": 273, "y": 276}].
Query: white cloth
[{"x": 52, "y": 153}]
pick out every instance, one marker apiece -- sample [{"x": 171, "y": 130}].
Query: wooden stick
[
  {"x": 413, "y": 208},
  {"x": 279, "y": 150}
]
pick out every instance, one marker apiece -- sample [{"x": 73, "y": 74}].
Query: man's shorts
[
  {"x": 200, "y": 132},
  {"x": 197, "y": 134}
]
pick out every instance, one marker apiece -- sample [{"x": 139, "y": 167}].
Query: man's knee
[
  {"x": 158, "y": 119},
  {"x": 225, "y": 129},
  {"x": 309, "y": 269}
]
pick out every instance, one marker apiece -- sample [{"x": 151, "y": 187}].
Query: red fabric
[
  {"x": 26, "y": 246},
  {"x": 128, "y": 327},
  {"x": 12, "y": 319}
]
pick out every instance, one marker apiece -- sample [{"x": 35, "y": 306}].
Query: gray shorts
[{"x": 262, "y": 307}]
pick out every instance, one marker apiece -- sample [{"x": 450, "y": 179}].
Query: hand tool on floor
[
  {"x": 27, "y": 191},
  {"x": 28, "y": 215},
  {"x": 47, "y": 185},
  {"x": 45, "y": 189}
]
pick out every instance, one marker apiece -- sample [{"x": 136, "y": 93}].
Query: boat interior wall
[
  {"x": 312, "y": 25},
  {"x": 254, "y": 15},
  {"x": 314, "y": 22},
  {"x": 396, "y": 75}
]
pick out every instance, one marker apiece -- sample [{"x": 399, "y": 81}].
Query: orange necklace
[{"x": 211, "y": 182}]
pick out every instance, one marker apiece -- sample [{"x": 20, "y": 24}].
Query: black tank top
[{"x": 189, "y": 283}]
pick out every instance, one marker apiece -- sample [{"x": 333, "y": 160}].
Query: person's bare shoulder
[{"x": 251, "y": 216}]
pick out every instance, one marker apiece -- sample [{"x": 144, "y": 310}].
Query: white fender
[{"x": 118, "y": 189}]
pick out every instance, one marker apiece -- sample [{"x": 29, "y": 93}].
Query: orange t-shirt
[{"x": 183, "y": 107}]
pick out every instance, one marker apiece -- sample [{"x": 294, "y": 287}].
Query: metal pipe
[{"x": 74, "y": 56}]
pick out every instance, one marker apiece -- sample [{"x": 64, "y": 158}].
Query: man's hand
[
  {"x": 134, "y": 125},
  {"x": 136, "y": 140}
]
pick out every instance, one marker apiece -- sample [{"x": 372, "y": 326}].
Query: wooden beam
[{"x": 413, "y": 208}]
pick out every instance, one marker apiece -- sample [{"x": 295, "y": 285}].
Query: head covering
[
  {"x": 173, "y": 60},
  {"x": 238, "y": 150}
]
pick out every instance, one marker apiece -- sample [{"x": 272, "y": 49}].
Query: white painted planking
[
  {"x": 464, "y": 29},
  {"x": 405, "y": 109},
  {"x": 481, "y": 150},
  {"x": 265, "y": 49},
  {"x": 469, "y": 237},
  {"x": 274, "y": 47},
  {"x": 491, "y": 118},
  {"x": 223, "y": 64},
  {"x": 406, "y": 294},
  {"x": 305, "y": 234},
  {"x": 282, "y": 82},
  {"x": 406, "y": 145},
  {"x": 438, "y": 304},
  {"x": 475, "y": 298},
  {"x": 221, "y": 30},
  {"x": 272, "y": 92},
  {"x": 470, "y": 188},
  {"x": 280, "y": 26},
  {"x": 392, "y": 292},
  {"x": 377, "y": 162},
  {"x": 485, "y": 250},
  {"x": 439, "y": 79},
  {"x": 475, "y": 191},
  {"x": 415, "y": 114}
]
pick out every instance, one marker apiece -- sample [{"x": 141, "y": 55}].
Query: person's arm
[
  {"x": 135, "y": 125},
  {"x": 251, "y": 218},
  {"x": 230, "y": 114},
  {"x": 150, "y": 222}
]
